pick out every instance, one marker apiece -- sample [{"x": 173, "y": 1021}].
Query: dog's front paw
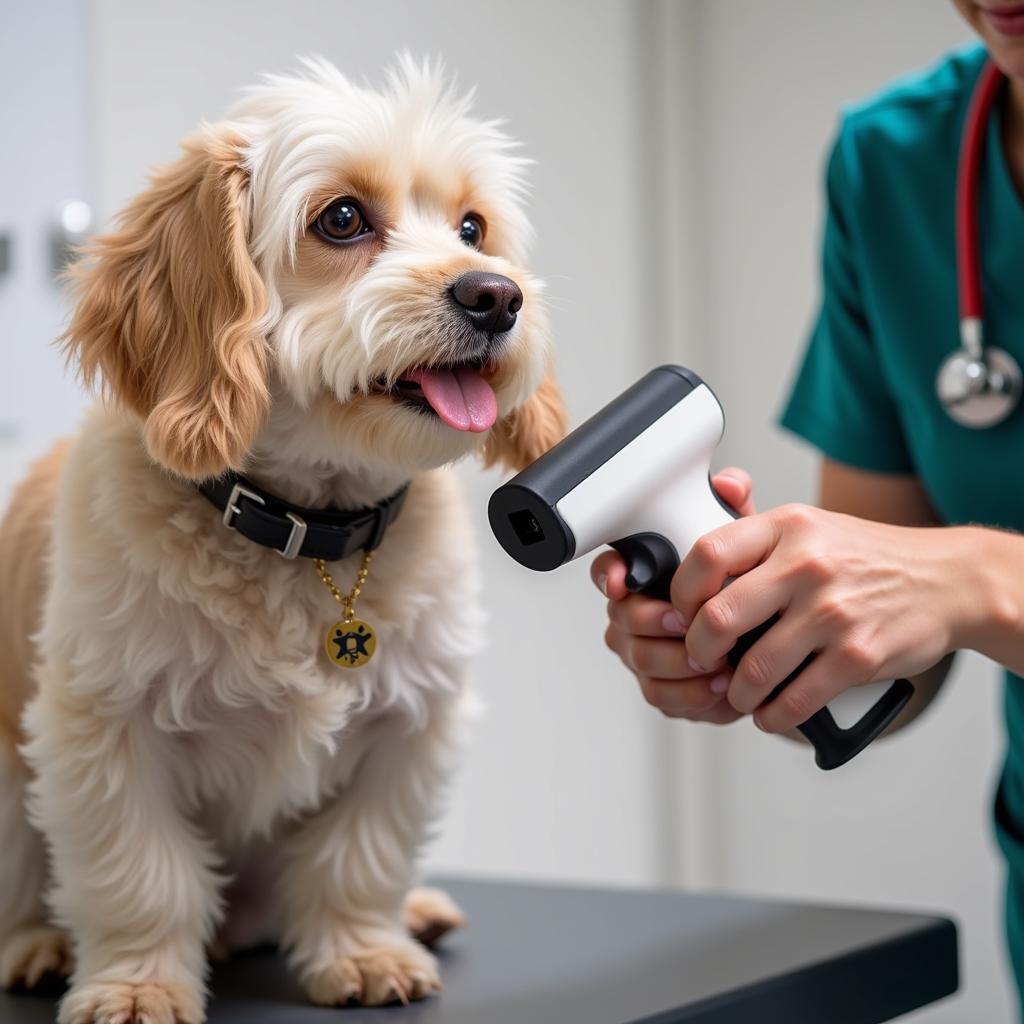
[
  {"x": 28, "y": 954},
  {"x": 430, "y": 914},
  {"x": 153, "y": 1002},
  {"x": 390, "y": 974}
]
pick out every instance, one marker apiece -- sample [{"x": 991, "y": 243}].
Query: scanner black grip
[
  {"x": 651, "y": 561},
  {"x": 834, "y": 746}
]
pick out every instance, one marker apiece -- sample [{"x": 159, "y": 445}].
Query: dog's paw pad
[
  {"x": 430, "y": 914},
  {"x": 122, "y": 1003},
  {"x": 399, "y": 974},
  {"x": 30, "y": 954}
]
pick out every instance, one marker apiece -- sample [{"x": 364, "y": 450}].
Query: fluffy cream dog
[{"x": 288, "y": 299}]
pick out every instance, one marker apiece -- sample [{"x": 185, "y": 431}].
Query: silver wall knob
[{"x": 71, "y": 227}]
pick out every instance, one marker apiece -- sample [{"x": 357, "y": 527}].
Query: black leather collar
[{"x": 293, "y": 531}]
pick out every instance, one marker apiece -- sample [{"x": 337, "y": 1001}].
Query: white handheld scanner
[{"x": 636, "y": 476}]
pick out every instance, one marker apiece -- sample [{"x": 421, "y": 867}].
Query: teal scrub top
[{"x": 865, "y": 393}]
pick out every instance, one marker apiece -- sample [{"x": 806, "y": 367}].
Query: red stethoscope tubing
[{"x": 972, "y": 144}]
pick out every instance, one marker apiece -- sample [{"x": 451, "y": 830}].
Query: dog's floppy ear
[
  {"x": 528, "y": 432},
  {"x": 169, "y": 311}
]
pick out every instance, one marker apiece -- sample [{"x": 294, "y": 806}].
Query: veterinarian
[{"x": 921, "y": 433}]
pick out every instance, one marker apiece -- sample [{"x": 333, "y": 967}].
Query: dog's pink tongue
[{"x": 461, "y": 397}]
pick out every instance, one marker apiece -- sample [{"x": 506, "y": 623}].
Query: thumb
[{"x": 735, "y": 487}]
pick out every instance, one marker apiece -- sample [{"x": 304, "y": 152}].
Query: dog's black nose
[{"x": 488, "y": 301}]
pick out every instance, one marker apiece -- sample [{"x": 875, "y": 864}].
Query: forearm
[{"x": 994, "y": 575}]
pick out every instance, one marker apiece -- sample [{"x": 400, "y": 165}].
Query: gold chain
[{"x": 347, "y": 601}]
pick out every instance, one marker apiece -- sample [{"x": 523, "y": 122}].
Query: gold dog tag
[{"x": 350, "y": 644}]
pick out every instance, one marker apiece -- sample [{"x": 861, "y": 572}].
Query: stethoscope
[{"x": 979, "y": 386}]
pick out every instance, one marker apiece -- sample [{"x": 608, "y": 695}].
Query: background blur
[{"x": 677, "y": 199}]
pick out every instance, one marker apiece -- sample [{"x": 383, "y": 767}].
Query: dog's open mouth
[{"x": 458, "y": 395}]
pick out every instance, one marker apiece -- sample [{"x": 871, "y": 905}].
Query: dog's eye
[
  {"x": 471, "y": 230},
  {"x": 342, "y": 221}
]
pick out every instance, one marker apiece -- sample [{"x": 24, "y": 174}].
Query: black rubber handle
[
  {"x": 651, "y": 561},
  {"x": 834, "y": 746}
]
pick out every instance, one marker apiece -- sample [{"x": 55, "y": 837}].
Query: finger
[
  {"x": 735, "y": 488},
  {"x": 676, "y": 698},
  {"x": 648, "y": 656},
  {"x": 665, "y": 659},
  {"x": 617, "y": 640},
  {"x": 746, "y": 603},
  {"x": 722, "y": 713},
  {"x": 824, "y": 679},
  {"x": 769, "y": 662},
  {"x": 608, "y": 571},
  {"x": 645, "y": 616},
  {"x": 730, "y": 550}
]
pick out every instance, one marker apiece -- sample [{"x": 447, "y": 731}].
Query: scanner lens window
[{"x": 526, "y": 527}]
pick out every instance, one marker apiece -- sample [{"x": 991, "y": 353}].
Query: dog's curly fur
[{"x": 195, "y": 769}]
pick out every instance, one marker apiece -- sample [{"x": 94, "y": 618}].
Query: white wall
[
  {"x": 45, "y": 132},
  {"x": 558, "y": 782},
  {"x": 908, "y": 823}
]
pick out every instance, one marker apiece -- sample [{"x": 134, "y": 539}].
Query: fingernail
[
  {"x": 672, "y": 622},
  {"x": 719, "y": 684},
  {"x": 602, "y": 583},
  {"x": 694, "y": 665},
  {"x": 757, "y": 722}
]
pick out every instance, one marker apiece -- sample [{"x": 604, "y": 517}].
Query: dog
[{"x": 328, "y": 293}]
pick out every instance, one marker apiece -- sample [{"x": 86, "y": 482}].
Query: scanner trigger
[{"x": 651, "y": 562}]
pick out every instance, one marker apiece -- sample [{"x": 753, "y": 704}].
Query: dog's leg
[
  {"x": 348, "y": 870},
  {"x": 30, "y": 947},
  {"x": 134, "y": 882}
]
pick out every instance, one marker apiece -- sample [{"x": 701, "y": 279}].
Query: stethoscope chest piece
[{"x": 979, "y": 391}]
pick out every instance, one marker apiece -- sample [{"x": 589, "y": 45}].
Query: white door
[{"x": 44, "y": 117}]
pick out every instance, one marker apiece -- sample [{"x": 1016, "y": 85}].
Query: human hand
[
  {"x": 873, "y": 602},
  {"x": 648, "y": 637}
]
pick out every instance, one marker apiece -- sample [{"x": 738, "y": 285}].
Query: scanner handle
[
  {"x": 651, "y": 562},
  {"x": 833, "y": 746}
]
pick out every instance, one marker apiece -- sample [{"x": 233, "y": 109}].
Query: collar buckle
[{"x": 232, "y": 508}]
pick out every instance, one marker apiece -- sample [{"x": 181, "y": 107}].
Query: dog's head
[{"x": 351, "y": 260}]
